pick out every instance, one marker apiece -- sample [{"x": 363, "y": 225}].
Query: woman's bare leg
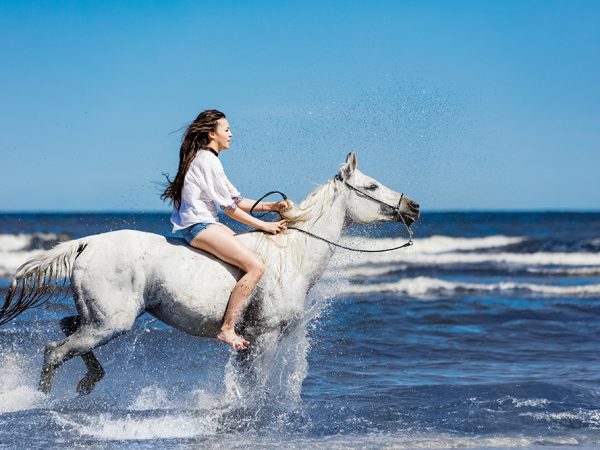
[{"x": 220, "y": 241}]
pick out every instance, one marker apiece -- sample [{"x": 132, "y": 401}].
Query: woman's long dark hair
[{"x": 194, "y": 139}]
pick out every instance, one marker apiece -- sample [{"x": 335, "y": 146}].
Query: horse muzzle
[{"x": 408, "y": 211}]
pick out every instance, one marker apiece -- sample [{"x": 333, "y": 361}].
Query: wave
[
  {"x": 579, "y": 271},
  {"x": 433, "y": 287},
  {"x": 558, "y": 244},
  {"x": 15, "y": 249},
  {"x": 569, "y": 419},
  {"x": 10, "y": 262},
  {"x": 444, "y": 252},
  {"x": 438, "y": 243},
  {"x": 412, "y": 257},
  {"x": 33, "y": 241},
  {"x": 524, "y": 402},
  {"x": 374, "y": 270}
]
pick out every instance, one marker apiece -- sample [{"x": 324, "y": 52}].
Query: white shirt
[{"x": 204, "y": 185}]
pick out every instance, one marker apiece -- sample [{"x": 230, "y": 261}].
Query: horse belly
[
  {"x": 192, "y": 298},
  {"x": 189, "y": 321}
]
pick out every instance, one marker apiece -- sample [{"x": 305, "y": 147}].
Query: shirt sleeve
[
  {"x": 235, "y": 194},
  {"x": 220, "y": 189}
]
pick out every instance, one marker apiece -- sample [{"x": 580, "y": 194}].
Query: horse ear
[
  {"x": 352, "y": 160},
  {"x": 348, "y": 169}
]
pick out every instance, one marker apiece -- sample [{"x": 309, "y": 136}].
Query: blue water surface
[{"x": 490, "y": 354}]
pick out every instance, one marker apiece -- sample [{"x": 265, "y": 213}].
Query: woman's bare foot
[{"x": 229, "y": 337}]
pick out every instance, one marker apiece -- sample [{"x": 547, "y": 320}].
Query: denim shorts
[{"x": 192, "y": 231}]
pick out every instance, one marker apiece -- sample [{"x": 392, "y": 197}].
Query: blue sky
[{"x": 462, "y": 105}]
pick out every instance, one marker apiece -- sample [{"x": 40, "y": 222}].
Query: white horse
[{"x": 117, "y": 276}]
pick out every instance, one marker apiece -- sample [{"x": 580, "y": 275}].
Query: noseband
[{"x": 396, "y": 209}]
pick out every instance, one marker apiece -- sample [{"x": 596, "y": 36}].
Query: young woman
[{"x": 199, "y": 184}]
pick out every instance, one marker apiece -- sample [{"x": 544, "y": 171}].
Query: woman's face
[{"x": 221, "y": 137}]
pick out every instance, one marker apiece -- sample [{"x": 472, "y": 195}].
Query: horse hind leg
[
  {"x": 95, "y": 373},
  {"x": 81, "y": 342}
]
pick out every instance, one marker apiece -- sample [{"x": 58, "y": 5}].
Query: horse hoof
[
  {"x": 86, "y": 385},
  {"x": 44, "y": 389},
  {"x": 45, "y": 384}
]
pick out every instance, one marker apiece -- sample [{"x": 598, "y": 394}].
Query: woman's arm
[
  {"x": 247, "y": 203},
  {"x": 241, "y": 216}
]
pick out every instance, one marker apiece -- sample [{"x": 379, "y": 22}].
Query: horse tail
[{"x": 41, "y": 277}]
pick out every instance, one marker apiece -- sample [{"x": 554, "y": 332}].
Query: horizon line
[{"x": 433, "y": 210}]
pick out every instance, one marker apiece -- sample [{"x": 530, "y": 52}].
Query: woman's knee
[{"x": 256, "y": 268}]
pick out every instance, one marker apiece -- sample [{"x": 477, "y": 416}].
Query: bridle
[
  {"x": 338, "y": 177},
  {"x": 396, "y": 209}
]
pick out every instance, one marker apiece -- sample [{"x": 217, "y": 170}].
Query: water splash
[
  {"x": 18, "y": 390},
  {"x": 133, "y": 427},
  {"x": 269, "y": 385}
]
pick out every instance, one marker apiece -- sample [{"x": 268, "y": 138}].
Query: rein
[{"x": 338, "y": 177}]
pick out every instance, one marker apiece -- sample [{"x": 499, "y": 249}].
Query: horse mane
[
  {"x": 268, "y": 247},
  {"x": 313, "y": 206}
]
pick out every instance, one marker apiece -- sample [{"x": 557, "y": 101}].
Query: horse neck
[{"x": 325, "y": 217}]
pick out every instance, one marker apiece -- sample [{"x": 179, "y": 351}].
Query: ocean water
[{"x": 483, "y": 334}]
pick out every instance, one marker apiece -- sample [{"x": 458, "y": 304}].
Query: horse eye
[{"x": 372, "y": 187}]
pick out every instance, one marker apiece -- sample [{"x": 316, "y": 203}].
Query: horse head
[{"x": 370, "y": 201}]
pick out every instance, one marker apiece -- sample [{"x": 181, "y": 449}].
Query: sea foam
[
  {"x": 433, "y": 287},
  {"x": 133, "y": 427},
  {"x": 15, "y": 249},
  {"x": 569, "y": 419}
]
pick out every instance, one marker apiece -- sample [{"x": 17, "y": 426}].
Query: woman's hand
[
  {"x": 279, "y": 207},
  {"x": 274, "y": 227},
  {"x": 282, "y": 206}
]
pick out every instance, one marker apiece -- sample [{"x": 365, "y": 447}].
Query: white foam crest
[
  {"x": 131, "y": 427},
  {"x": 11, "y": 261},
  {"x": 15, "y": 249},
  {"x": 425, "y": 286},
  {"x": 524, "y": 402},
  {"x": 588, "y": 417},
  {"x": 413, "y": 255},
  {"x": 579, "y": 271},
  {"x": 21, "y": 241},
  {"x": 18, "y": 391},
  {"x": 14, "y": 242},
  {"x": 377, "y": 271},
  {"x": 436, "y": 243},
  {"x": 440, "y": 244}
]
